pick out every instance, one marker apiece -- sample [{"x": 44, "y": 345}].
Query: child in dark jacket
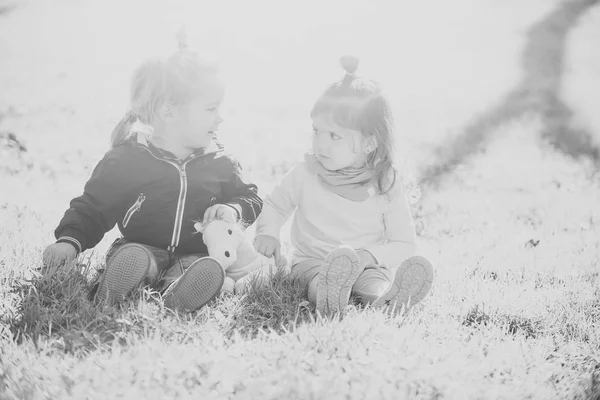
[{"x": 165, "y": 171}]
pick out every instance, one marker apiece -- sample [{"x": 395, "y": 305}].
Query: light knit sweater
[{"x": 323, "y": 220}]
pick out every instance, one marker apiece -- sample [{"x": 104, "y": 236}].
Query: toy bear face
[{"x": 222, "y": 240}]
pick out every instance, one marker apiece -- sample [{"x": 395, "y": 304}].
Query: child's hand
[
  {"x": 269, "y": 247},
  {"x": 366, "y": 258},
  {"x": 219, "y": 211},
  {"x": 58, "y": 254}
]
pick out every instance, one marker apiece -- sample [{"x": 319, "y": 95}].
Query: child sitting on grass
[
  {"x": 352, "y": 230},
  {"x": 165, "y": 171}
]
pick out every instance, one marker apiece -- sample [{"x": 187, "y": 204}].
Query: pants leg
[
  {"x": 305, "y": 272},
  {"x": 128, "y": 264},
  {"x": 165, "y": 268},
  {"x": 161, "y": 257},
  {"x": 176, "y": 268},
  {"x": 372, "y": 283}
]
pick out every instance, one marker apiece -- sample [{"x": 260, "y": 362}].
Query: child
[
  {"x": 164, "y": 172},
  {"x": 352, "y": 229}
]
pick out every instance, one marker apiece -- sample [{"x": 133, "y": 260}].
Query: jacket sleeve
[
  {"x": 281, "y": 203},
  {"x": 97, "y": 210},
  {"x": 244, "y": 195},
  {"x": 400, "y": 236}
]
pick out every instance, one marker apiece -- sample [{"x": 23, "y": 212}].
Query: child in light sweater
[{"x": 352, "y": 231}]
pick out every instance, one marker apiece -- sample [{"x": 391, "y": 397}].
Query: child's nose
[{"x": 317, "y": 144}]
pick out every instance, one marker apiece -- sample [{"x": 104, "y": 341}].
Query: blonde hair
[
  {"x": 358, "y": 103},
  {"x": 156, "y": 82}
]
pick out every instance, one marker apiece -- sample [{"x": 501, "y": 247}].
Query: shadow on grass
[
  {"x": 513, "y": 324},
  {"x": 56, "y": 306},
  {"x": 278, "y": 307},
  {"x": 56, "y": 310},
  {"x": 538, "y": 93}
]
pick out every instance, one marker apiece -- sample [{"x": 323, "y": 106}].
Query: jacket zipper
[
  {"x": 180, "y": 206},
  {"x": 180, "y": 200},
  {"x": 133, "y": 209}
]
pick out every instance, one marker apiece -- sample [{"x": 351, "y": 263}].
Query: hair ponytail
[
  {"x": 123, "y": 129},
  {"x": 350, "y": 65},
  {"x": 147, "y": 92}
]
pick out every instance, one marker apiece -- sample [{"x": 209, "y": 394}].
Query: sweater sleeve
[
  {"x": 244, "y": 195},
  {"x": 97, "y": 210},
  {"x": 281, "y": 202},
  {"x": 400, "y": 235}
]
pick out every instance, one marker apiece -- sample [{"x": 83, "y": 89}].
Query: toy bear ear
[{"x": 199, "y": 227}]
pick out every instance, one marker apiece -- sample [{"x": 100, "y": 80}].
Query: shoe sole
[
  {"x": 200, "y": 283},
  {"x": 117, "y": 283},
  {"x": 412, "y": 283},
  {"x": 335, "y": 283}
]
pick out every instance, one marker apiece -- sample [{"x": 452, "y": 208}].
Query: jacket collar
[{"x": 214, "y": 147}]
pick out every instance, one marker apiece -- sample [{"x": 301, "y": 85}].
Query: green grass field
[{"x": 497, "y": 109}]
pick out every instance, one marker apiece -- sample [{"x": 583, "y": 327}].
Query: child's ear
[{"x": 167, "y": 112}]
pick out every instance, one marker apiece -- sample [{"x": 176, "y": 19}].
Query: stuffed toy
[{"x": 227, "y": 243}]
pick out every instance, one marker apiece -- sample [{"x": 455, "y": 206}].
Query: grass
[{"x": 512, "y": 226}]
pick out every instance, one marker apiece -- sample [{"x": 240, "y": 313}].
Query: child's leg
[
  {"x": 176, "y": 268},
  {"x": 305, "y": 273},
  {"x": 372, "y": 283},
  {"x": 329, "y": 281},
  {"x": 191, "y": 282},
  {"x": 335, "y": 281},
  {"x": 412, "y": 282},
  {"x": 128, "y": 265}
]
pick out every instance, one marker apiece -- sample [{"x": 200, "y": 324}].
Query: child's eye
[
  {"x": 334, "y": 136},
  {"x": 315, "y": 131},
  {"x": 212, "y": 109}
]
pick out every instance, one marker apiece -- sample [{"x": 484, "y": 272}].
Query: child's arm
[
  {"x": 95, "y": 212},
  {"x": 400, "y": 233},
  {"x": 281, "y": 202},
  {"x": 278, "y": 207},
  {"x": 242, "y": 196}
]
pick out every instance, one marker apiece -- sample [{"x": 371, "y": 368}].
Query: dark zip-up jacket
[{"x": 155, "y": 199}]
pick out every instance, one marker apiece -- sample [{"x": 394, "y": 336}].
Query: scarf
[{"x": 351, "y": 183}]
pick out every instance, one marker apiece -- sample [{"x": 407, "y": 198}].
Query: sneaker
[
  {"x": 411, "y": 284},
  {"x": 335, "y": 282},
  {"x": 200, "y": 283},
  {"x": 125, "y": 270}
]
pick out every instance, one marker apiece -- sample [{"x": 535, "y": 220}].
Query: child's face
[
  {"x": 198, "y": 121},
  {"x": 336, "y": 147}
]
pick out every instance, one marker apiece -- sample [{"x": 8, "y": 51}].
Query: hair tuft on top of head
[
  {"x": 182, "y": 39},
  {"x": 350, "y": 64}
]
